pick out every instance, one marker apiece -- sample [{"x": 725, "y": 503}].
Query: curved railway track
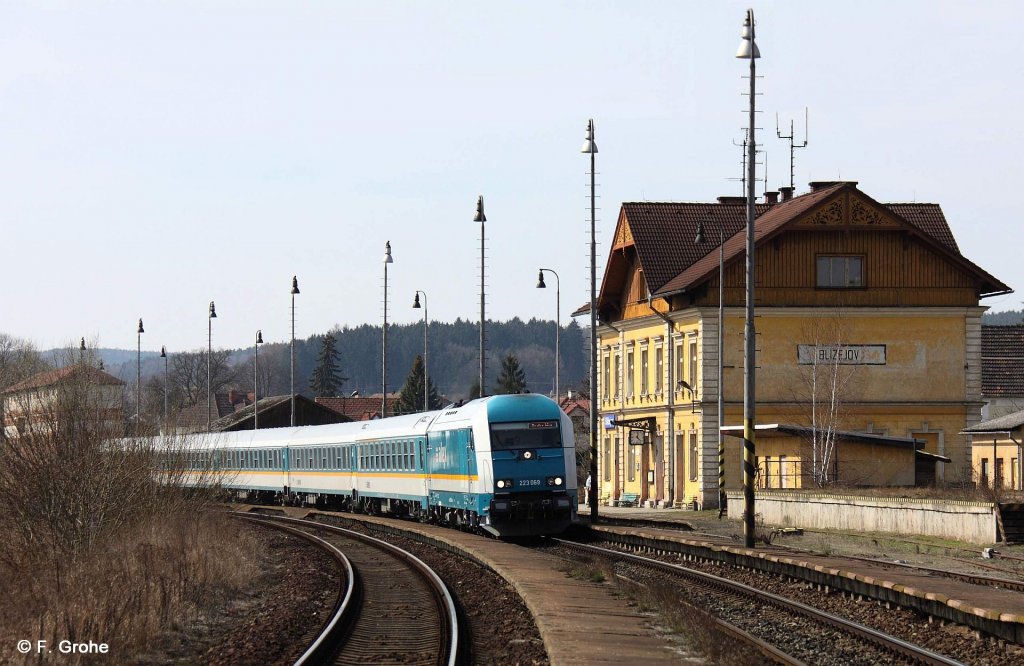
[
  {"x": 395, "y": 609},
  {"x": 786, "y": 631}
]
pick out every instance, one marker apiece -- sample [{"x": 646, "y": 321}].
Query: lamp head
[
  {"x": 295, "y": 285},
  {"x": 81, "y": 345},
  {"x": 588, "y": 143},
  {"x": 213, "y": 311},
  {"x": 416, "y": 301},
  {"x": 480, "y": 217},
  {"x": 748, "y": 47},
  {"x": 387, "y": 253},
  {"x": 699, "y": 240},
  {"x": 259, "y": 337},
  {"x": 141, "y": 330},
  {"x": 540, "y": 279},
  {"x": 163, "y": 351}
]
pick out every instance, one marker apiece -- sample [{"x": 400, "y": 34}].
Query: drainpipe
[{"x": 670, "y": 389}]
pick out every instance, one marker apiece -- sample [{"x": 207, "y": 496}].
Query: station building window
[{"x": 840, "y": 272}]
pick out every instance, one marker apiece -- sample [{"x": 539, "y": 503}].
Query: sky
[{"x": 155, "y": 156}]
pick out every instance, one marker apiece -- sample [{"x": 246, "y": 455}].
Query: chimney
[
  {"x": 817, "y": 185},
  {"x": 786, "y": 192},
  {"x": 771, "y": 198}
]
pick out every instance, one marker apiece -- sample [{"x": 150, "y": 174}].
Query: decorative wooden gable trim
[
  {"x": 847, "y": 209},
  {"x": 623, "y": 234}
]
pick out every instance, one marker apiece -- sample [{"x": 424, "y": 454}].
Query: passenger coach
[{"x": 506, "y": 464}]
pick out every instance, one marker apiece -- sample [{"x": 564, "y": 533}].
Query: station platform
[{"x": 996, "y": 610}]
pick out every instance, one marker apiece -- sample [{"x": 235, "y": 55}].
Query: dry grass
[{"x": 103, "y": 542}]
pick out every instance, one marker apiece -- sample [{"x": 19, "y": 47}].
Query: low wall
[{"x": 974, "y": 522}]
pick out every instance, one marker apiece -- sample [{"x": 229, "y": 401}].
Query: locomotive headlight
[
  {"x": 503, "y": 484},
  {"x": 555, "y": 481}
]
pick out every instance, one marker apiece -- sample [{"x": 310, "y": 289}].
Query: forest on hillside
[{"x": 452, "y": 360}]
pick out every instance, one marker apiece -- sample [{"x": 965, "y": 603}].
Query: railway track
[
  {"x": 395, "y": 608},
  {"x": 785, "y": 631}
]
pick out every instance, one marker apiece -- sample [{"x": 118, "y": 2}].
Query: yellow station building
[{"x": 868, "y": 324}]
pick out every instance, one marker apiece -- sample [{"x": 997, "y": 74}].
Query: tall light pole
[
  {"x": 255, "y": 381},
  {"x": 209, "y": 355},
  {"x": 558, "y": 318},
  {"x": 590, "y": 148},
  {"x": 384, "y": 353},
  {"x": 295, "y": 290},
  {"x": 426, "y": 384},
  {"x": 138, "y": 375},
  {"x": 482, "y": 219},
  {"x": 163, "y": 355},
  {"x": 748, "y": 50},
  {"x": 699, "y": 240}
]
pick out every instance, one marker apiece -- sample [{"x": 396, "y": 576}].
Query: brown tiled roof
[
  {"x": 664, "y": 233},
  {"x": 569, "y": 405},
  {"x": 929, "y": 219},
  {"x": 924, "y": 218},
  {"x": 58, "y": 375},
  {"x": 359, "y": 409},
  {"x": 1002, "y": 361}
]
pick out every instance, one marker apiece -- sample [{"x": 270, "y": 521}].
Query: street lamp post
[
  {"x": 558, "y": 318},
  {"x": 295, "y": 290},
  {"x": 138, "y": 375},
  {"x": 209, "y": 356},
  {"x": 721, "y": 388},
  {"x": 384, "y": 353},
  {"x": 482, "y": 219},
  {"x": 255, "y": 381},
  {"x": 748, "y": 50},
  {"x": 426, "y": 384},
  {"x": 163, "y": 355},
  {"x": 590, "y": 148}
]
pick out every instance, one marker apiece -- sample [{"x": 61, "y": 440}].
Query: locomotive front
[{"x": 533, "y": 460}]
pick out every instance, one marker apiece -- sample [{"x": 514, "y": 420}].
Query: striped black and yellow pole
[{"x": 748, "y": 50}]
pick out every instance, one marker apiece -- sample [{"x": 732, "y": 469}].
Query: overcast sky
[{"x": 155, "y": 156}]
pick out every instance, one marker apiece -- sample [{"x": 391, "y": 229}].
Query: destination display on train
[
  {"x": 841, "y": 354},
  {"x": 543, "y": 424}
]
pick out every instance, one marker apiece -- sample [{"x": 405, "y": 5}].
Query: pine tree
[
  {"x": 327, "y": 380},
  {"x": 512, "y": 378},
  {"x": 410, "y": 399}
]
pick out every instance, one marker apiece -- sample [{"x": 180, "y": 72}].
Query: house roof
[
  {"x": 925, "y": 221},
  {"x": 574, "y": 404},
  {"x": 1004, "y": 423},
  {"x": 60, "y": 375},
  {"x": 787, "y": 430},
  {"x": 359, "y": 409},
  {"x": 1002, "y": 361}
]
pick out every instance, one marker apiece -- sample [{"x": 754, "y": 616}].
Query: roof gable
[{"x": 838, "y": 205}]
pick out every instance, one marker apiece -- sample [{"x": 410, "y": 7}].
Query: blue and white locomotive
[{"x": 506, "y": 464}]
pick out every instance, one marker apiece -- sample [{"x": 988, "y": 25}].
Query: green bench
[{"x": 628, "y": 499}]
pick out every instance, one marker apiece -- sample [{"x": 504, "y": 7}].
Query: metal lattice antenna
[
  {"x": 743, "y": 161},
  {"x": 792, "y": 144}
]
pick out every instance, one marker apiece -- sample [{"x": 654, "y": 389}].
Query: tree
[
  {"x": 19, "y": 360},
  {"x": 189, "y": 374},
  {"x": 410, "y": 399},
  {"x": 512, "y": 378},
  {"x": 474, "y": 390},
  {"x": 327, "y": 380},
  {"x": 824, "y": 386}
]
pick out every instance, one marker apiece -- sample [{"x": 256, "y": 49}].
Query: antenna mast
[{"x": 792, "y": 144}]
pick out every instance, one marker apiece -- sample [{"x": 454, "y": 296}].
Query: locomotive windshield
[{"x": 525, "y": 435}]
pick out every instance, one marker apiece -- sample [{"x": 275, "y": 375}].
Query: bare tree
[
  {"x": 189, "y": 374},
  {"x": 826, "y": 382},
  {"x": 19, "y": 360}
]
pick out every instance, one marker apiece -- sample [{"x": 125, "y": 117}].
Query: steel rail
[
  {"x": 882, "y": 640},
  {"x": 325, "y": 638},
  {"x": 446, "y": 604}
]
